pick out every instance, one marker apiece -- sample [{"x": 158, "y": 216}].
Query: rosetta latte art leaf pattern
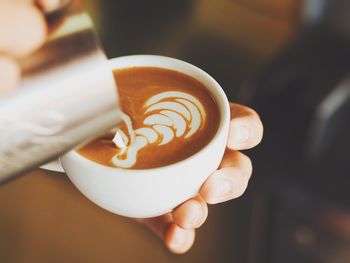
[{"x": 168, "y": 115}]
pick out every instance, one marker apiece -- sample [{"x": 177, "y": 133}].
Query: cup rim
[{"x": 223, "y": 105}]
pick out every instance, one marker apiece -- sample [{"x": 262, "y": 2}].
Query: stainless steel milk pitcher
[{"x": 67, "y": 95}]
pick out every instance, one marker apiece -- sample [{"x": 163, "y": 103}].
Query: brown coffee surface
[{"x": 136, "y": 85}]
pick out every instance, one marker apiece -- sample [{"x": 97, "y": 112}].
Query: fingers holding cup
[
  {"x": 230, "y": 180},
  {"x": 179, "y": 240},
  {"x": 246, "y": 129},
  {"x": 175, "y": 238},
  {"x": 191, "y": 214}
]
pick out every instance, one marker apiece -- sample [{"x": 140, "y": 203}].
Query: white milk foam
[{"x": 167, "y": 115}]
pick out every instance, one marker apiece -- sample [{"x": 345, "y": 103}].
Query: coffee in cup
[{"x": 168, "y": 116}]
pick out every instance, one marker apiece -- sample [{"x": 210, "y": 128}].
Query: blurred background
[{"x": 288, "y": 59}]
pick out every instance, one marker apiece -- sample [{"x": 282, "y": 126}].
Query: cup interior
[{"x": 175, "y": 65}]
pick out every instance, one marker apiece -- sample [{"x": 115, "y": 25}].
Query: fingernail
[
  {"x": 179, "y": 239},
  {"x": 196, "y": 213},
  {"x": 224, "y": 188},
  {"x": 240, "y": 134}
]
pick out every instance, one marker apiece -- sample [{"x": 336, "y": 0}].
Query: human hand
[
  {"x": 177, "y": 229},
  {"x": 22, "y": 30}
]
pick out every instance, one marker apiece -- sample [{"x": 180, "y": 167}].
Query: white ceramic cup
[{"x": 152, "y": 192}]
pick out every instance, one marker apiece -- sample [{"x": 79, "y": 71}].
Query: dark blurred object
[
  {"x": 136, "y": 26},
  {"x": 293, "y": 223},
  {"x": 303, "y": 96},
  {"x": 333, "y": 13}
]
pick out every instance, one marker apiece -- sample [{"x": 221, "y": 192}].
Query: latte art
[{"x": 168, "y": 115}]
